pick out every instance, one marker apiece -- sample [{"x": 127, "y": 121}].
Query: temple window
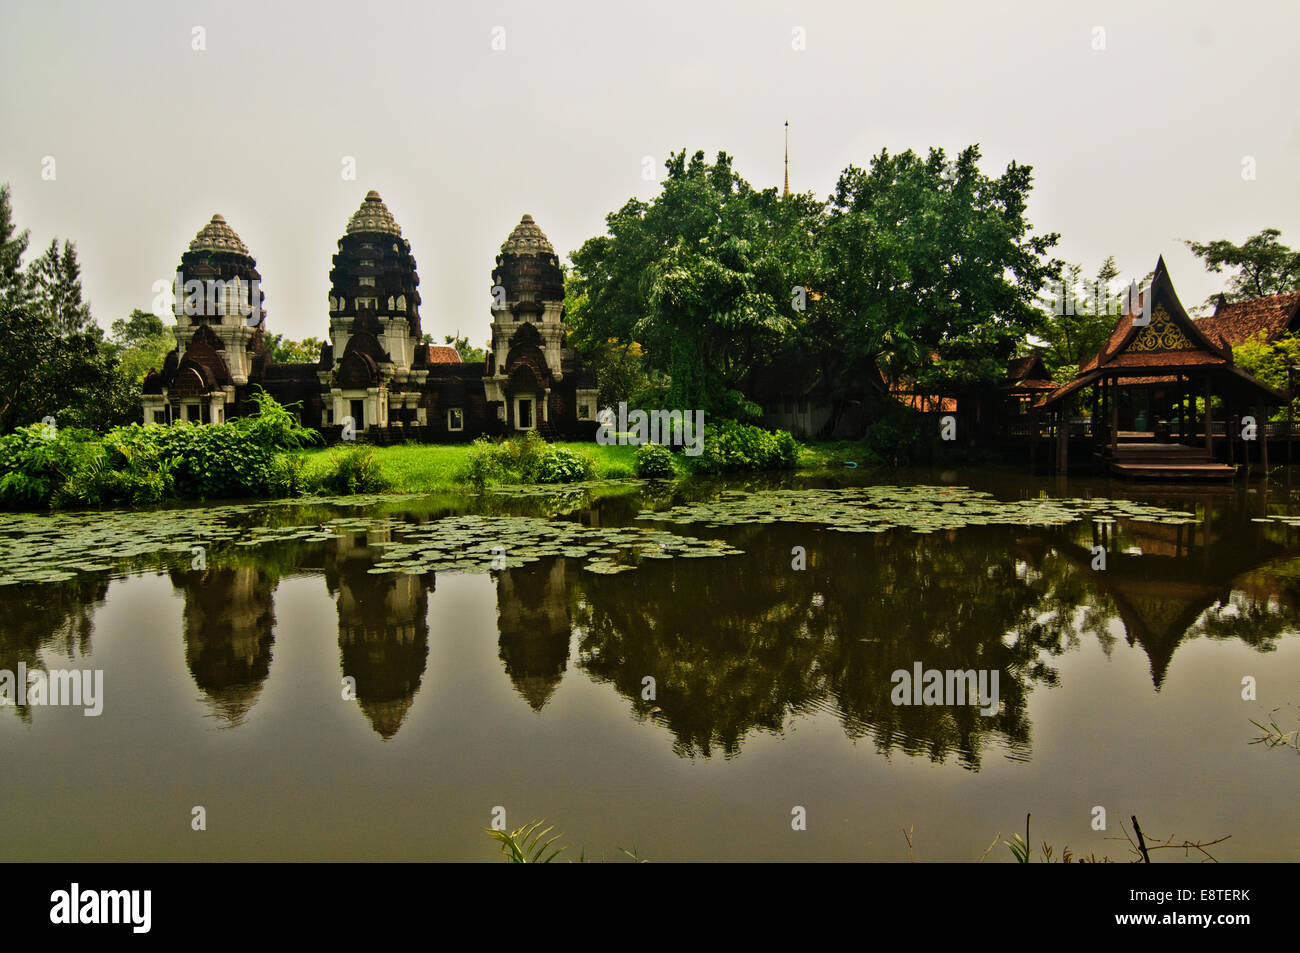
[
  {"x": 390, "y": 302},
  {"x": 401, "y": 302},
  {"x": 366, "y": 282},
  {"x": 455, "y": 419}
]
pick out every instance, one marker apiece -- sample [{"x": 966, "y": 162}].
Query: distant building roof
[
  {"x": 1236, "y": 323},
  {"x": 442, "y": 354}
]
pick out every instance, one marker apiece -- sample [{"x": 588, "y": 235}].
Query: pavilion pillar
[
  {"x": 1229, "y": 429},
  {"x": 1063, "y": 438},
  {"x": 1262, "y": 431},
  {"x": 1114, "y": 414},
  {"x": 1290, "y": 426},
  {"x": 1209, "y": 422},
  {"x": 1182, "y": 409}
]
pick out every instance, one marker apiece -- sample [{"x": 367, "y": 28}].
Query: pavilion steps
[{"x": 1167, "y": 461}]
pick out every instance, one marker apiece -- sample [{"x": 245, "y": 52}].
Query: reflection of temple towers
[
  {"x": 533, "y": 617},
  {"x": 383, "y": 633},
  {"x": 229, "y": 628}
]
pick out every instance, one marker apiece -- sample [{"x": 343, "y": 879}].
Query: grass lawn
[{"x": 424, "y": 467}]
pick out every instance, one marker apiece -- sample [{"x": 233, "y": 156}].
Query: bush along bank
[
  {"x": 42, "y": 466},
  {"x": 268, "y": 455}
]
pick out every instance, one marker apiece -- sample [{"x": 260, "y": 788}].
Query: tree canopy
[
  {"x": 920, "y": 269},
  {"x": 54, "y": 359},
  {"x": 1264, "y": 266}
]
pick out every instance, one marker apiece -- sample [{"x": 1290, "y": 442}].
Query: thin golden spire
[{"x": 786, "y": 193}]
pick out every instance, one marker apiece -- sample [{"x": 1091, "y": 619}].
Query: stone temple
[{"x": 376, "y": 372}]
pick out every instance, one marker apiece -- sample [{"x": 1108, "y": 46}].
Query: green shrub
[
  {"x": 355, "y": 470},
  {"x": 654, "y": 462},
  {"x": 288, "y": 476},
  {"x": 525, "y": 459},
  {"x": 731, "y": 447},
  {"x": 562, "y": 465},
  {"x": 35, "y": 461},
  {"x": 139, "y": 464},
  {"x": 484, "y": 465},
  {"x": 894, "y": 439},
  {"x": 212, "y": 461},
  {"x": 123, "y": 467},
  {"x": 274, "y": 426}
]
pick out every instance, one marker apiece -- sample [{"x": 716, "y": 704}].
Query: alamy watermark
[
  {"x": 53, "y": 687},
  {"x": 672, "y": 427},
  {"x": 1098, "y": 299},
  {"x": 211, "y": 297},
  {"x": 77, "y": 906},
  {"x": 932, "y": 686}
]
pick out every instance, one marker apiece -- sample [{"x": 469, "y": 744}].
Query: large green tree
[
  {"x": 13, "y": 245},
  {"x": 1263, "y": 265},
  {"x": 287, "y": 351},
  {"x": 55, "y": 281},
  {"x": 141, "y": 341},
  {"x": 54, "y": 360},
  {"x": 700, "y": 277},
  {"x": 932, "y": 270}
]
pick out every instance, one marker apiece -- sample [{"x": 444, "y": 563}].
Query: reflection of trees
[
  {"x": 383, "y": 630},
  {"x": 229, "y": 629},
  {"x": 725, "y": 648},
  {"x": 951, "y": 601},
  {"x": 739, "y": 646},
  {"x": 55, "y": 617}
]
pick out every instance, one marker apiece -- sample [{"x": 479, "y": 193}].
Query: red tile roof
[
  {"x": 1240, "y": 321},
  {"x": 442, "y": 354}
]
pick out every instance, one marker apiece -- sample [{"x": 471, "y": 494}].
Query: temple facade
[{"x": 377, "y": 378}]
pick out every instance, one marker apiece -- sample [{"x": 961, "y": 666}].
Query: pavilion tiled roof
[{"x": 1234, "y": 324}]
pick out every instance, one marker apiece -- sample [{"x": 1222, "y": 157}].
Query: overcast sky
[{"x": 1134, "y": 147}]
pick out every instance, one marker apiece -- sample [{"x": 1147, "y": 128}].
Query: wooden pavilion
[{"x": 1144, "y": 384}]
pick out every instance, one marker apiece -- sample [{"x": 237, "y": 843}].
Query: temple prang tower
[
  {"x": 371, "y": 370},
  {"x": 528, "y": 361},
  {"x": 217, "y": 304}
]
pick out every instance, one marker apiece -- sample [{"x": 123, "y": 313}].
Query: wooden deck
[{"x": 1167, "y": 461}]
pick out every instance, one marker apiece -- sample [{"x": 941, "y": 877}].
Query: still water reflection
[{"x": 685, "y": 707}]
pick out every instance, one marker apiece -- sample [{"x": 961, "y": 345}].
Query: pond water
[{"x": 504, "y": 655}]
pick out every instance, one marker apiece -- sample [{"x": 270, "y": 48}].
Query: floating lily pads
[{"x": 920, "y": 509}]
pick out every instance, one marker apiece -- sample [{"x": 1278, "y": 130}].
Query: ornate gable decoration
[{"x": 1162, "y": 334}]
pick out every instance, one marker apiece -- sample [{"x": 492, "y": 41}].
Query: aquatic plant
[
  {"x": 525, "y": 845},
  {"x": 922, "y": 509}
]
